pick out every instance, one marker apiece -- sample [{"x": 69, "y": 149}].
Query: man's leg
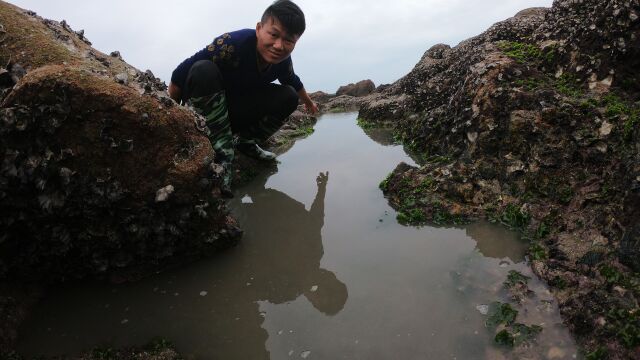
[
  {"x": 257, "y": 116},
  {"x": 205, "y": 93}
]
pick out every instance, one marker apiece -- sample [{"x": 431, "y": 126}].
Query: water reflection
[
  {"x": 209, "y": 310},
  {"x": 286, "y": 242},
  {"x": 497, "y": 242},
  {"x": 413, "y": 293},
  {"x": 383, "y": 136}
]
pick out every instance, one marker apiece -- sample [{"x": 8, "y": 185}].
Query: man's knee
[{"x": 204, "y": 78}]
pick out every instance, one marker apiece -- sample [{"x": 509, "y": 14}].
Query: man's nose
[{"x": 278, "y": 44}]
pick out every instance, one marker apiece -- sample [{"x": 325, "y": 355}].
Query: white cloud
[{"x": 345, "y": 41}]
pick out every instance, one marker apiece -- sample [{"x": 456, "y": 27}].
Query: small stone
[
  {"x": 203, "y": 293},
  {"x": 620, "y": 290},
  {"x": 163, "y": 194},
  {"x": 122, "y": 78},
  {"x": 124, "y": 321},
  {"x": 483, "y": 309},
  {"x": 247, "y": 200},
  {"x": 314, "y": 288},
  {"x": 305, "y": 354},
  {"x": 605, "y": 129},
  {"x": 116, "y": 54}
]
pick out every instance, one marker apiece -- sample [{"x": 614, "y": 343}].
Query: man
[{"x": 230, "y": 83}]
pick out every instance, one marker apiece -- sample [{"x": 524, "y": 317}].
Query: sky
[{"x": 346, "y": 40}]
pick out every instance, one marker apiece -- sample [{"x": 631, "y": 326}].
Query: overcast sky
[{"x": 345, "y": 41}]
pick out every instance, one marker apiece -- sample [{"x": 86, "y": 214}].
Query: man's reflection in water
[
  {"x": 277, "y": 261},
  {"x": 284, "y": 242},
  {"x": 210, "y": 310}
]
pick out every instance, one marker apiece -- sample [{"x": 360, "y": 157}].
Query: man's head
[{"x": 281, "y": 26}]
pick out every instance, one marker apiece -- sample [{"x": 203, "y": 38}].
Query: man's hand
[
  {"x": 174, "y": 92},
  {"x": 311, "y": 107}
]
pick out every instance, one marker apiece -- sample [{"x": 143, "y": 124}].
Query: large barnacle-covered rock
[
  {"x": 100, "y": 172},
  {"x": 85, "y": 165},
  {"x": 536, "y": 123}
]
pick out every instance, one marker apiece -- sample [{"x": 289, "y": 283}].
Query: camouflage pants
[
  {"x": 253, "y": 115},
  {"x": 214, "y": 109}
]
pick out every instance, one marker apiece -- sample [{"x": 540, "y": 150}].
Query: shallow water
[{"x": 324, "y": 271}]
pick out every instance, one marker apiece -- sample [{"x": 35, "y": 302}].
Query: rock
[
  {"x": 534, "y": 112},
  {"x": 122, "y": 78},
  {"x": 605, "y": 129},
  {"x": 84, "y": 157},
  {"x": 320, "y": 97},
  {"x": 361, "y": 88},
  {"x": 163, "y": 194},
  {"x": 483, "y": 309}
]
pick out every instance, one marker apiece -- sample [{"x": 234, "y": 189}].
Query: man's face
[{"x": 274, "y": 42}]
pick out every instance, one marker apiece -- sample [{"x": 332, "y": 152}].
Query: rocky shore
[
  {"x": 534, "y": 124},
  {"x": 103, "y": 176}
]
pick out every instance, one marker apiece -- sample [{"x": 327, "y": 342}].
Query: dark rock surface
[
  {"x": 102, "y": 175},
  {"x": 534, "y": 123}
]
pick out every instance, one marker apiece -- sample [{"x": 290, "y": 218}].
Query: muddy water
[{"x": 324, "y": 272}]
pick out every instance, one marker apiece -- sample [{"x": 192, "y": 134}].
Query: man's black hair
[{"x": 288, "y": 14}]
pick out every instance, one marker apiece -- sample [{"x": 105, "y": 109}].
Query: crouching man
[{"x": 230, "y": 83}]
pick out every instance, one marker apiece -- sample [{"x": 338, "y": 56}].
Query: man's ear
[{"x": 258, "y": 26}]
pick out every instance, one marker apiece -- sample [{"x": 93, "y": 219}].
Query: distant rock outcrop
[
  {"x": 347, "y": 98},
  {"x": 361, "y": 88},
  {"x": 320, "y": 96},
  {"x": 535, "y": 123}
]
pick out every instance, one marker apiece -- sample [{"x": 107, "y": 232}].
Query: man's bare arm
[{"x": 308, "y": 103}]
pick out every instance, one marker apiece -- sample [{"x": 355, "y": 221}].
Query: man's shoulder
[{"x": 238, "y": 36}]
